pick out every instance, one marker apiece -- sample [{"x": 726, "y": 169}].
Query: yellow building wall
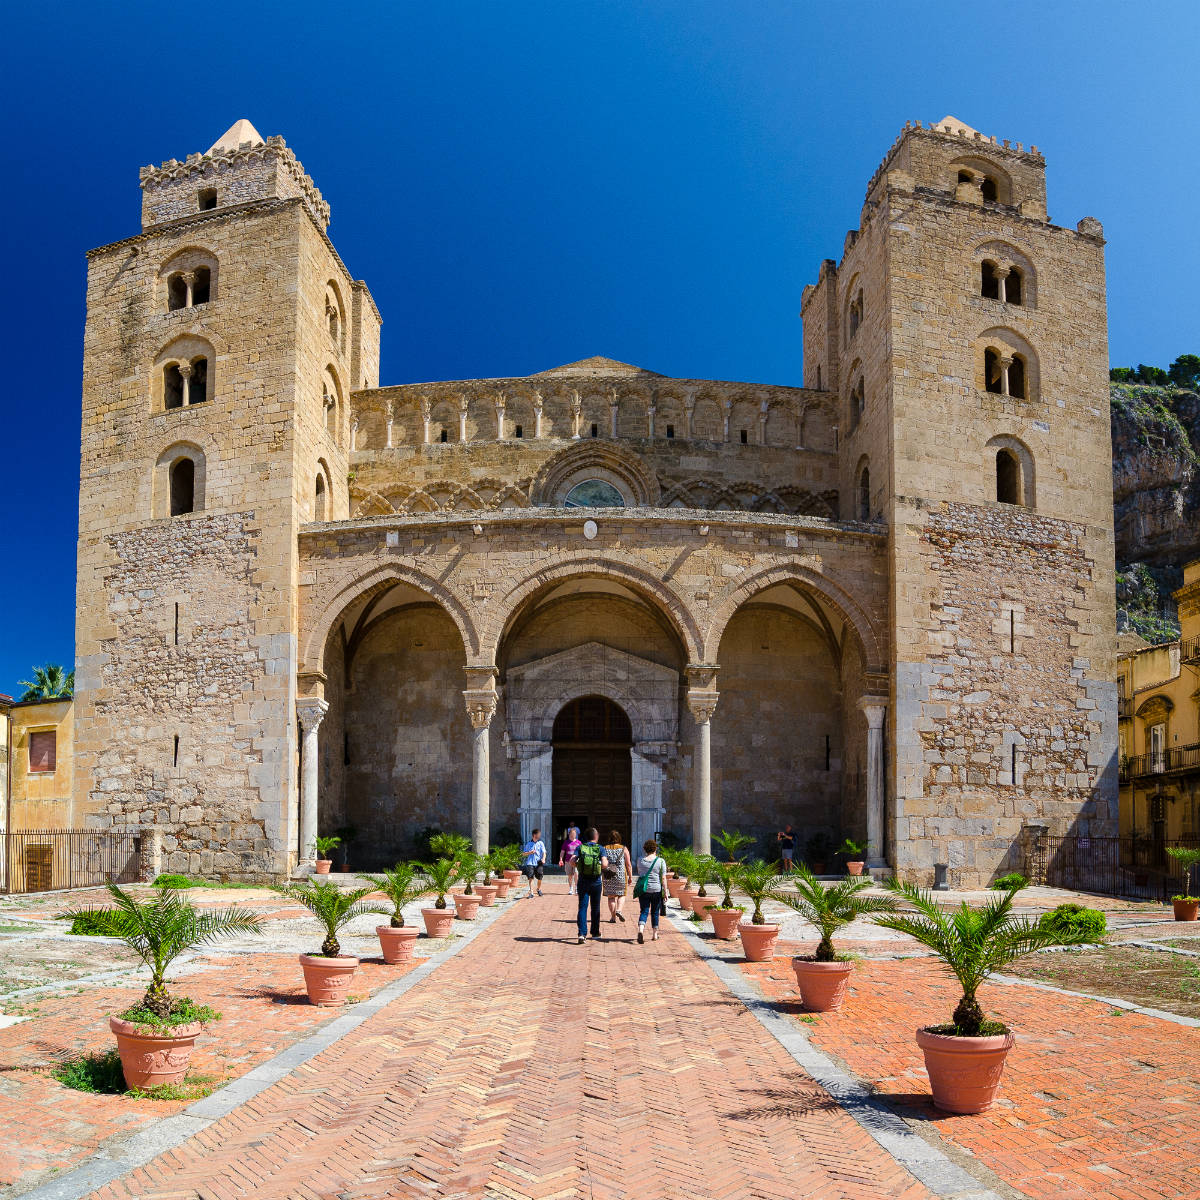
[
  {"x": 1160, "y": 685},
  {"x": 42, "y": 799}
]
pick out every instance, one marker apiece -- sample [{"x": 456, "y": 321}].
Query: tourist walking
[
  {"x": 650, "y": 889},
  {"x": 615, "y": 878},
  {"x": 787, "y": 847},
  {"x": 590, "y": 861},
  {"x": 533, "y": 868},
  {"x": 566, "y": 856}
]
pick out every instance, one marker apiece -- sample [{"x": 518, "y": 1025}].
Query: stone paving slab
[
  {"x": 531, "y": 1067},
  {"x": 1098, "y": 1103}
]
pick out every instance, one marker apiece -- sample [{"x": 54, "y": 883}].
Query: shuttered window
[{"x": 43, "y": 748}]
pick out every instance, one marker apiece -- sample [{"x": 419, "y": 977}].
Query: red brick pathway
[
  {"x": 1096, "y": 1104},
  {"x": 531, "y": 1067}
]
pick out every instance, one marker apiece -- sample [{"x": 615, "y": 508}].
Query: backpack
[
  {"x": 590, "y": 854},
  {"x": 639, "y": 887}
]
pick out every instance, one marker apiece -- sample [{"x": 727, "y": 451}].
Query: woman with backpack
[
  {"x": 616, "y": 876},
  {"x": 650, "y": 889},
  {"x": 566, "y": 856}
]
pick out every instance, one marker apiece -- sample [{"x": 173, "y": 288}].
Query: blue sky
[{"x": 525, "y": 184}]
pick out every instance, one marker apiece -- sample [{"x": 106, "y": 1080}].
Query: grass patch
[
  {"x": 100, "y": 1073},
  {"x": 182, "y": 882}
]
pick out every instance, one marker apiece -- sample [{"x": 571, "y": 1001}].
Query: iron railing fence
[
  {"x": 1162, "y": 762},
  {"x": 1135, "y": 868},
  {"x": 42, "y": 860},
  {"x": 1189, "y": 651}
]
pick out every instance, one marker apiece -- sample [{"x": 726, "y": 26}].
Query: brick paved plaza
[{"x": 519, "y": 1064}]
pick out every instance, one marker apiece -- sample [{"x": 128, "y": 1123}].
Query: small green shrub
[
  {"x": 99, "y": 1072},
  {"x": 87, "y": 924},
  {"x": 184, "y": 1010},
  {"x": 1075, "y": 922},
  {"x": 175, "y": 882},
  {"x": 1014, "y": 879}
]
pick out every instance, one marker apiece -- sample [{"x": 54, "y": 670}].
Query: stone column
[
  {"x": 501, "y": 402},
  {"x": 613, "y": 410},
  {"x": 462, "y": 418},
  {"x": 538, "y": 410},
  {"x": 1005, "y": 362},
  {"x": 576, "y": 413},
  {"x": 689, "y": 407},
  {"x": 480, "y": 696},
  {"x": 391, "y": 417},
  {"x": 650, "y": 411},
  {"x": 189, "y": 282},
  {"x": 311, "y": 711},
  {"x": 702, "y": 699},
  {"x": 874, "y": 708},
  {"x": 185, "y": 373},
  {"x": 426, "y": 418},
  {"x": 728, "y": 406},
  {"x": 1001, "y": 281}
]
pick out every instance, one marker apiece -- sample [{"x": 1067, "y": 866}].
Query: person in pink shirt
[{"x": 566, "y": 857}]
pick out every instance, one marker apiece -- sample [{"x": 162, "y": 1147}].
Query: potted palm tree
[
  {"x": 734, "y": 844},
  {"x": 1186, "y": 906},
  {"x": 155, "y": 1037},
  {"x": 965, "y": 1057},
  {"x": 759, "y": 882},
  {"x": 327, "y": 974},
  {"x": 853, "y": 853},
  {"x": 511, "y": 863},
  {"x": 466, "y": 902},
  {"x": 823, "y": 976},
  {"x": 726, "y": 916},
  {"x": 493, "y": 874},
  {"x": 323, "y": 848},
  {"x": 686, "y": 864},
  {"x": 703, "y": 872},
  {"x": 441, "y": 875},
  {"x": 401, "y": 884}
]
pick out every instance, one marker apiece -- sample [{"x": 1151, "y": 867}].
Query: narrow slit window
[
  {"x": 745, "y": 436},
  {"x": 1013, "y": 767},
  {"x": 175, "y": 752},
  {"x": 519, "y": 432},
  {"x": 1008, "y": 477},
  {"x": 183, "y": 487},
  {"x": 442, "y": 436},
  {"x": 670, "y": 431},
  {"x": 176, "y": 622},
  {"x": 595, "y": 430},
  {"x": 1012, "y": 631}
]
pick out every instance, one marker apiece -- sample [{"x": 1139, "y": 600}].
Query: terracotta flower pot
[
  {"x": 964, "y": 1072},
  {"x": 1186, "y": 910},
  {"x": 328, "y": 979},
  {"x": 466, "y": 907},
  {"x": 725, "y": 922},
  {"x": 758, "y": 941},
  {"x": 439, "y": 922},
  {"x": 397, "y": 944},
  {"x": 675, "y": 886},
  {"x": 703, "y": 905},
  {"x": 855, "y": 868},
  {"x": 487, "y": 894},
  {"x": 152, "y": 1059},
  {"x": 513, "y": 877},
  {"x": 323, "y": 865},
  {"x": 822, "y": 984},
  {"x": 502, "y": 886}
]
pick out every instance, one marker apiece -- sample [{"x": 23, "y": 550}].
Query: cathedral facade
[{"x": 879, "y": 605}]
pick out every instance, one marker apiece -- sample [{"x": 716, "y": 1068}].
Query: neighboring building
[
  {"x": 1159, "y": 689},
  {"x": 878, "y": 605},
  {"x": 42, "y": 776}
]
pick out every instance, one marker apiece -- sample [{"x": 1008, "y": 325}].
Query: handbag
[{"x": 639, "y": 887}]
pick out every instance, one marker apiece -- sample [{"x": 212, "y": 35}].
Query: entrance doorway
[{"x": 592, "y": 768}]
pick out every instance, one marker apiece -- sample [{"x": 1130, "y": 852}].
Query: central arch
[{"x": 592, "y": 771}]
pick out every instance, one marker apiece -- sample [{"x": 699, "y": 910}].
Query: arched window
[
  {"x": 319, "y": 502},
  {"x": 333, "y": 320},
  {"x": 1014, "y": 478},
  {"x": 1008, "y": 477},
  {"x": 176, "y": 292},
  {"x": 863, "y": 495},
  {"x": 1012, "y": 287},
  {"x": 1016, "y": 377},
  {"x": 190, "y": 275},
  {"x": 197, "y": 382},
  {"x": 990, "y": 282},
  {"x": 858, "y": 404},
  {"x": 988, "y": 190},
  {"x": 594, "y": 493},
  {"x": 172, "y": 386},
  {"x": 854, "y": 309},
  {"x": 183, "y": 486},
  {"x": 331, "y": 400},
  {"x": 201, "y": 286}
]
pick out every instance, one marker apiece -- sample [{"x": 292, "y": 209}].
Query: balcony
[
  {"x": 1189, "y": 651},
  {"x": 1178, "y": 760}
]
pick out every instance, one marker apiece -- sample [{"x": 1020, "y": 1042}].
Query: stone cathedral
[{"x": 879, "y": 605}]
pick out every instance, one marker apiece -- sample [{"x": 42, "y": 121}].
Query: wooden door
[{"x": 592, "y": 770}]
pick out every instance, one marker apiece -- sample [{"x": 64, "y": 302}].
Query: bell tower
[{"x": 221, "y": 345}]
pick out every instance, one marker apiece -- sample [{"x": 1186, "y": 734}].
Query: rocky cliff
[{"x": 1156, "y": 498}]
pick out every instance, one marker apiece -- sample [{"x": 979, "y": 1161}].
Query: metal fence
[
  {"x": 1162, "y": 762},
  {"x": 1134, "y": 868},
  {"x": 42, "y": 860}
]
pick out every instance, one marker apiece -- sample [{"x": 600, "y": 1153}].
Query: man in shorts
[
  {"x": 535, "y": 861},
  {"x": 787, "y": 848}
]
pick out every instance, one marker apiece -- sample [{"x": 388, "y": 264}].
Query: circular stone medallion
[{"x": 590, "y": 529}]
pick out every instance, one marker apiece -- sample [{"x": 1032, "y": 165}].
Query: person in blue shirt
[{"x": 535, "y": 861}]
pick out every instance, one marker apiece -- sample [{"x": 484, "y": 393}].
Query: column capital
[
  {"x": 311, "y": 712},
  {"x": 702, "y": 703},
  {"x": 481, "y": 706},
  {"x": 702, "y": 676},
  {"x": 874, "y": 708}
]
